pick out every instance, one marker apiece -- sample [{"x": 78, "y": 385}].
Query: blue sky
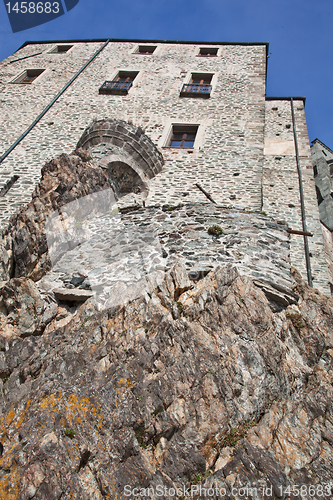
[{"x": 299, "y": 32}]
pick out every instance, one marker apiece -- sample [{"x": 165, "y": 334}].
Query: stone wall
[
  {"x": 322, "y": 158},
  {"x": 228, "y": 163},
  {"x": 125, "y": 253},
  {"x": 281, "y": 195},
  {"x": 228, "y": 157}
]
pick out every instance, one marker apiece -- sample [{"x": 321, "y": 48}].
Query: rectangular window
[
  {"x": 199, "y": 86},
  {"x": 315, "y": 171},
  {"x": 120, "y": 85},
  {"x": 28, "y": 76},
  {"x": 61, "y": 49},
  {"x": 208, "y": 51},
  {"x": 146, "y": 49},
  {"x": 183, "y": 136}
]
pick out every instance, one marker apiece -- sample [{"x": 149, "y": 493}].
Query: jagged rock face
[
  {"x": 223, "y": 382},
  {"x": 24, "y": 246},
  {"x": 195, "y": 381}
]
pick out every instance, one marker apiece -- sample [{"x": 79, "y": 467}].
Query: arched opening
[{"x": 124, "y": 179}]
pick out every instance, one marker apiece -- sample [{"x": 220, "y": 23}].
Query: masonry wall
[
  {"x": 281, "y": 195},
  {"x": 322, "y": 158},
  {"x": 228, "y": 160}
]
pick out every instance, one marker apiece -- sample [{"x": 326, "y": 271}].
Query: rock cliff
[{"x": 219, "y": 387}]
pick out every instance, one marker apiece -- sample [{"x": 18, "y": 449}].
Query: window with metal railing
[
  {"x": 120, "y": 85},
  {"x": 199, "y": 86}
]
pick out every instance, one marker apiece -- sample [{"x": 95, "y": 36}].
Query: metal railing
[
  {"x": 115, "y": 87},
  {"x": 191, "y": 88}
]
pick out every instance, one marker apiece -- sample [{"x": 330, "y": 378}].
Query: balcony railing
[
  {"x": 114, "y": 87},
  {"x": 194, "y": 90}
]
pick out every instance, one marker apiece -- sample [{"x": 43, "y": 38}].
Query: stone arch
[{"x": 130, "y": 157}]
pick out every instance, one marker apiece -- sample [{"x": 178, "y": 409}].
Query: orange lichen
[
  {"x": 9, "y": 485},
  {"x": 125, "y": 383},
  {"x": 50, "y": 401},
  {"x": 19, "y": 421},
  {"x": 76, "y": 410}
]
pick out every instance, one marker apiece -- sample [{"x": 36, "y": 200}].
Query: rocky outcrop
[
  {"x": 196, "y": 382},
  {"x": 24, "y": 245},
  {"x": 213, "y": 387}
]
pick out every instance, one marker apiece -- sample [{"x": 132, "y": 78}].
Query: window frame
[
  {"x": 184, "y": 129},
  {"x": 208, "y": 48},
  {"x": 169, "y": 126},
  {"x": 128, "y": 75},
  {"x": 138, "y": 52},
  {"x": 186, "y": 132},
  {"x": 55, "y": 50},
  {"x": 25, "y": 74},
  {"x": 186, "y": 90}
]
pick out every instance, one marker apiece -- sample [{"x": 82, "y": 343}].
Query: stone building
[
  {"x": 322, "y": 158},
  {"x": 164, "y": 117}
]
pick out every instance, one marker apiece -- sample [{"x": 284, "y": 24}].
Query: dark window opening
[
  {"x": 120, "y": 85},
  {"x": 183, "y": 136},
  {"x": 324, "y": 152},
  {"x": 61, "y": 49},
  {"x": 201, "y": 79},
  {"x": 199, "y": 86},
  {"x": 146, "y": 49},
  {"x": 208, "y": 51},
  {"x": 320, "y": 199},
  {"x": 29, "y": 76},
  {"x": 315, "y": 171}
]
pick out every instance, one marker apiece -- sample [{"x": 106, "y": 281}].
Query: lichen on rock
[{"x": 194, "y": 382}]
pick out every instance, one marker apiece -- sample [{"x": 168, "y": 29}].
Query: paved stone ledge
[{"x": 127, "y": 253}]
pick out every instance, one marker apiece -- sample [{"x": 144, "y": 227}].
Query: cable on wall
[
  {"x": 306, "y": 243},
  {"x": 45, "y": 110}
]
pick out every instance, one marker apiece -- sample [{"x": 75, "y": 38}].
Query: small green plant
[
  {"x": 201, "y": 477},
  {"x": 140, "y": 436},
  {"x": 69, "y": 432},
  {"x": 215, "y": 230},
  {"x": 237, "y": 433},
  {"x": 263, "y": 213},
  {"x": 181, "y": 307},
  {"x": 296, "y": 320},
  {"x": 5, "y": 379},
  {"x": 211, "y": 371},
  {"x": 146, "y": 330}
]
